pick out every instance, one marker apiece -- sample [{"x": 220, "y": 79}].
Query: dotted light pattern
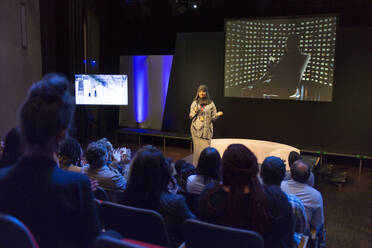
[{"x": 250, "y": 44}]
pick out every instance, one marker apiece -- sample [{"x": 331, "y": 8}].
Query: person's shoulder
[
  {"x": 172, "y": 199},
  {"x": 191, "y": 178},
  {"x": 294, "y": 200},
  {"x": 285, "y": 183},
  {"x": 69, "y": 177},
  {"x": 211, "y": 187},
  {"x": 314, "y": 192}
]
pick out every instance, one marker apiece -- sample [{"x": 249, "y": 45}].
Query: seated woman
[
  {"x": 107, "y": 177},
  {"x": 241, "y": 201},
  {"x": 70, "y": 153},
  {"x": 147, "y": 187},
  {"x": 208, "y": 170}
]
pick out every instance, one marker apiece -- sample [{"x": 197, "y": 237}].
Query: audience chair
[
  {"x": 200, "y": 234},
  {"x": 304, "y": 242},
  {"x": 114, "y": 195},
  {"x": 104, "y": 241},
  {"x": 317, "y": 240},
  {"x": 14, "y": 234},
  {"x": 135, "y": 223},
  {"x": 100, "y": 194}
]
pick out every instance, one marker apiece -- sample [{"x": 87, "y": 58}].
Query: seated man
[
  {"x": 293, "y": 157},
  {"x": 272, "y": 173},
  {"x": 310, "y": 197},
  {"x": 107, "y": 177}
]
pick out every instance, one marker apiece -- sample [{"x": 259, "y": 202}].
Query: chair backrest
[
  {"x": 14, "y": 234},
  {"x": 135, "y": 223},
  {"x": 200, "y": 234},
  {"x": 100, "y": 194},
  {"x": 105, "y": 241}
]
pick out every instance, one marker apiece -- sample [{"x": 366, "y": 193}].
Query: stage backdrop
[
  {"x": 148, "y": 78},
  {"x": 343, "y": 125}
]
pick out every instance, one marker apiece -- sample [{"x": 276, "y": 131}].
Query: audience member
[
  {"x": 207, "y": 171},
  {"x": 56, "y": 205},
  {"x": 13, "y": 148},
  {"x": 184, "y": 170},
  {"x": 147, "y": 187},
  {"x": 108, "y": 178},
  {"x": 272, "y": 173},
  {"x": 172, "y": 186},
  {"x": 70, "y": 154},
  {"x": 293, "y": 157},
  {"x": 310, "y": 197},
  {"x": 241, "y": 201}
]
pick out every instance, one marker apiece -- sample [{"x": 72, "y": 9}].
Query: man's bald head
[{"x": 300, "y": 171}]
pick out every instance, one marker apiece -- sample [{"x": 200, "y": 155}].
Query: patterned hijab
[{"x": 202, "y": 101}]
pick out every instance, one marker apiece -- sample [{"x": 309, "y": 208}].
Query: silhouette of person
[{"x": 283, "y": 77}]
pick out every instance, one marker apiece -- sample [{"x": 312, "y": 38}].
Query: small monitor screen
[
  {"x": 280, "y": 58},
  {"x": 101, "y": 89}
]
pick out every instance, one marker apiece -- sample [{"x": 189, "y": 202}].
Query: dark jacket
[
  {"x": 56, "y": 205},
  {"x": 175, "y": 211}
]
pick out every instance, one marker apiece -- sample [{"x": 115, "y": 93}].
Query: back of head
[
  {"x": 109, "y": 147},
  {"x": 239, "y": 171},
  {"x": 300, "y": 171},
  {"x": 209, "y": 164},
  {"x": 239, "y": 166},
  {"x": 149, "y": 177},
  {"x": 12, "y": 147},
  {"x": 292, "y": 157},
  {"x": 178, "y": 165},
  {"x": 70, "y": 152},
  {"x": 272, "y": 171},
  {"x": 293, "y": 42},
  {"x": 47, "y": 111},
  {"x": 96, "y": 155}
]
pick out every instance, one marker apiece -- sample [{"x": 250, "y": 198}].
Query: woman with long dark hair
[
  {"x": 202, "y": 114},
  {"x": 147, "y": 187},
  {"x": 241, "y": 201},
  {"x": 208, "y": 171}
]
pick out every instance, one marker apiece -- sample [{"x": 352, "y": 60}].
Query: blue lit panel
[
  {"x": 143, "y": 77},
  {"x": 166, "y": 70},
  {"x": 140, "y": 76}
]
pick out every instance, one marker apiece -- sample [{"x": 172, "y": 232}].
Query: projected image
[
  {"x": 280, "y": 58},
  {"x": 101, "y": 89}
]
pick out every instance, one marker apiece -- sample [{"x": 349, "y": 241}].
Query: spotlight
[
  {"x": 93, "y": 62},
  {"x": 194, "y": 4}
]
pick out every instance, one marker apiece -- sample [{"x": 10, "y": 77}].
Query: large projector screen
[
  {"x": 280, "y": 58},
  {"x": 101, "y": 89}
]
